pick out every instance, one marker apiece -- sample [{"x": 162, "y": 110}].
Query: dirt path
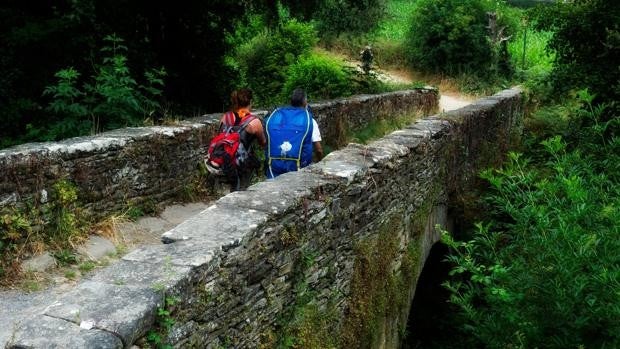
[
  {"x": 451, "y": 102},
  {"x": 449, "y": 99}
]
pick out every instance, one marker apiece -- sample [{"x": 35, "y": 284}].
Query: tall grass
[
  {"x": 396, "y": 23},
  {"x": 538, "y": 60}
]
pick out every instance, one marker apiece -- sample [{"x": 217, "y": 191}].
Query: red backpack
[{"x": 226, "y": 152}]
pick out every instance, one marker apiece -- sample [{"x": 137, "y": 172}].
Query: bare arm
[
  {"x": 256, "y": 128},
  {"x": 318, "y": 150}
]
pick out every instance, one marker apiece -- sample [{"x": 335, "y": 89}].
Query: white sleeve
[{"x": 316, "y": 133}]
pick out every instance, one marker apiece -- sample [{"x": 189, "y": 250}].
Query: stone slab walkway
[{"x": 17, "y": 306}]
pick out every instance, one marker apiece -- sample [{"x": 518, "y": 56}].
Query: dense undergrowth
[{"x": 543, "y": 269}]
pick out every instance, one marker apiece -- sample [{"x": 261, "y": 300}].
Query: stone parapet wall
[
  {"x": 337, "y": 118},
  {"x": 138, "y": 166},
  {"x": 344, "y": 235}
]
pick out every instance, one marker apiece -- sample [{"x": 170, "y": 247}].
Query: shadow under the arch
[{"x": 431, "y": 322}]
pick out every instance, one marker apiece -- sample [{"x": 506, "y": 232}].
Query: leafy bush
[
  {"x": 454, "y": 36},
  {"x": 449, "y": 36},
  {"x": 534, "y": 62},
  {"x": 321, "y": 76},
  {"x": 546, "y": 272},
  {"x": 335, "y": 17},
  {"x": 586, "y": 42},
  {"x": 393, "y": 27},
  {"x": 538, "y": 59},
  {"x": 38, "y": 41},
  {"x": 264, "y": 59},
  {"x": 113, "y": 99},
  {"x": 66, "y": 103}
]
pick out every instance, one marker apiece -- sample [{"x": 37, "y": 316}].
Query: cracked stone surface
[
  {"x": 148, "y": 230},
  {"x": 43, "y": 332},
  {"x": 216, "y": 221},
  {"x": 127, "y": 311}
]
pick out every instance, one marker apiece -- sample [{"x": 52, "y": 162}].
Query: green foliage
[
  {"x": 545, "y": 273},
  {"x": 528, "y": 3},
  {"x": 321, "y": 76},
  {"x": 134, "y": 212},
  {"x": 549, "y": 120},
  {"x": 87, "y": 266},
  {"x": 15, "y": 226},
  {"x": 449, "y": 36},
  {"x": 65, "y": 222},
  {"x": 335, "y": 17},
  {"x": 113, "y": 99},
  {"x": 394, "y": 25},
  {"x": 65, "y": 257},
  {"x": 163, "y": 324},
  {"x": 263, "y": 59},
  {"x": 533, "y": 61},
  {"x": 37, "y": 41},
  {"x": 538, "y": 59},
  {"x": 65, "y": 102},
  {"x": 586, "y": 42},
  {"x": 459, "y": 37}
]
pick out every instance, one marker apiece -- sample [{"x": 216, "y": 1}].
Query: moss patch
[
  {"x": 379, "y": 294},
  {"x": 381, "y": 288}
]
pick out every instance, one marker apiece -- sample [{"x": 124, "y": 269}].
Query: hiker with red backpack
[
  {"x": 230, "y": 153},
  {"x": 292, "y": 133}
]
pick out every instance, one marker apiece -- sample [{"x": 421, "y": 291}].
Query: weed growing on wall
[
  {"x": 65, "y": 211},
  {"x": 56, "y": 224},
  {"x": 163, "y": 324}
]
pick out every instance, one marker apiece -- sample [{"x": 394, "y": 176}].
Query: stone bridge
[{"x": 325, "y": 257}]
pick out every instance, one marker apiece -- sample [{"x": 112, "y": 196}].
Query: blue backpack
[{"x": 289, "y": 140}]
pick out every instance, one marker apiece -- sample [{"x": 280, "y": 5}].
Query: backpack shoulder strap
[
  {"x": 228, "y": 123},
  {"x": 246, "y": 122},
  {"x": 229, "y": 119}
]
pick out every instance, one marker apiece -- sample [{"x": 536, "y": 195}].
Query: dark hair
[
  {"x": 299, "y": 97},
  {"x": 240, "y": 98}
]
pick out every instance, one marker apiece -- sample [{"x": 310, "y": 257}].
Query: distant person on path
[
  {"x": 239, "y": 166},
  {"x": 292, "y": 133},
  {"x": 366, "y": 57}
]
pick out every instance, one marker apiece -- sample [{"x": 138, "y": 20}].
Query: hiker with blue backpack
[
  {"x": 292, "y": 134},
  {"x": 230, "y": 153}
]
